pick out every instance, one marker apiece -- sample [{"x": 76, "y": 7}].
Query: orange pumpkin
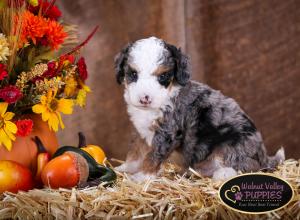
[{"x": 24, "y": 149}]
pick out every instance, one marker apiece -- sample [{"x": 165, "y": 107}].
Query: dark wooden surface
[{"x": 248, "y": 49}]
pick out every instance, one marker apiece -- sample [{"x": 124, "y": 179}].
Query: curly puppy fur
[{"x": 172, "y": 113}]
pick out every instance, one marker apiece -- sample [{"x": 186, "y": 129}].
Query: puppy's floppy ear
[
  {"x": 182, "y": 74},
  {"x": 120, "y": 60}
]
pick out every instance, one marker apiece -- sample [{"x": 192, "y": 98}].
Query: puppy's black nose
[{"x": 146, "y": 100}]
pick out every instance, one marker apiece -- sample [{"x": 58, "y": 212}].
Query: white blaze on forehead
[{"x": 146, "y": 54}]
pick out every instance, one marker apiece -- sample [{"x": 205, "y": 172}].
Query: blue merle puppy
[{"x": 172, "y": 113}]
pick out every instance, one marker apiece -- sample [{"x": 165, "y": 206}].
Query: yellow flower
[
  {"x": 7, "y": 128},
  {"x": 4, "y": 48},
  {"x": 81, "y": 97},
  {"x": 34, "y": 3},
  {"x": 71, "y": 86},
  {"x": 86, "y": 88},
  {"x": 50, "y": 108}
]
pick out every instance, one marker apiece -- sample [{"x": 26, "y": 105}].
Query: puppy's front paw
[
  {"x": 142, "y": 177},
  {"x": 121, "y": 168},
  {"x": 128, "y": 167},
  {"x": 224, "y": 173}
]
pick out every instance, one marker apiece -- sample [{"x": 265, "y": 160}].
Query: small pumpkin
[
  {"x": 24, "y": 150},
  {"x": 71, "y": 166},
  {"x": 95, "y": 151}
]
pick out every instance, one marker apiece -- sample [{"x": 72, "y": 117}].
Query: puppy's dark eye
[
  {"x": 165, "y": 79},
  {"x": 131, "y": 76}
]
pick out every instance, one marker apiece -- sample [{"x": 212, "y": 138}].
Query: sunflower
[
  {"x": 7, "y": 128},
  {"x": 51, "y": 107}
]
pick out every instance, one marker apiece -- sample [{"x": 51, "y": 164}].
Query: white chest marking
[{"x": 143, "y": 120}]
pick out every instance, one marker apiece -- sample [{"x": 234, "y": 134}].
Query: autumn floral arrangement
[{"x": 36, "y": 77}]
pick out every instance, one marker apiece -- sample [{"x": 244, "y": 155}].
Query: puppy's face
[{"x": 150, "y": 70}]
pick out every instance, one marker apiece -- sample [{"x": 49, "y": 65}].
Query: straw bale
[{"x": 171, "y": 196}]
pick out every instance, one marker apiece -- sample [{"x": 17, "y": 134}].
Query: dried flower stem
[
  {"x": 10, "y": 28},
  {"x": 84, "y": 42},
  {"x": 25, "y": 77}
]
